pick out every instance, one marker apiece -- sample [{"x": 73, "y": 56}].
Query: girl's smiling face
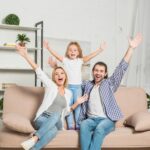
[{"x": 73, "y": 51}]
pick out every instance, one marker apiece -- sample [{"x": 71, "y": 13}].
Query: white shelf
[
  {"x": 15, "y": 27},
  {"x": 16, "y": 69},
  {"x": 13, "y": 48}
]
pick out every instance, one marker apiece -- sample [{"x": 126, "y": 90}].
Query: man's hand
[
  {"x": 133, "y": 43},
  {"x": 52, "y": 62}
]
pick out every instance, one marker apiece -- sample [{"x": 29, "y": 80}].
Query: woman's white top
[
  {"x": 51, "y": 90},
  {"x": 73, "y": 69}
]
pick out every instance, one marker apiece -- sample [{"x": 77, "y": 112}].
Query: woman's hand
[
  {"x": 133, "y": 43},
  {"x": 21, "y": 50},
  {"x": 79, "y": 101},
  {"x": 82, "y": 99}
]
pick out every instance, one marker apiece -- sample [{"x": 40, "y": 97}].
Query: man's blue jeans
[
  {"x": 77, "y": 92},
  {"x": 92, "y": 132},
  {"x": 47, "y": 126}
]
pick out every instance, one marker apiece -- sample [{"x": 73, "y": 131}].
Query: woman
[{"x": 55, "y": 106}]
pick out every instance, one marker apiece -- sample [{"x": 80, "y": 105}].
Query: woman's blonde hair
[
  {"x": 53, "y": 75},
  {"x": 78, "y": 46}
]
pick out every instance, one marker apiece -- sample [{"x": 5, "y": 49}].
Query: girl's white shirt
[
  {"x": 73, "y": 69},
  {"x": 51, "y": 90}
]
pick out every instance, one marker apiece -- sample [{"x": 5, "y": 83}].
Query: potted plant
[
  {"x": 22, "y": 39},
  {"x": 12, "y": 19}
]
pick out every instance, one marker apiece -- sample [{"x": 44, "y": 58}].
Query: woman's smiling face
[{"x": 59, "y": 77}]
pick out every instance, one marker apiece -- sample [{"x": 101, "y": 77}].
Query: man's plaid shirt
[{"x": 107, "y": 89}]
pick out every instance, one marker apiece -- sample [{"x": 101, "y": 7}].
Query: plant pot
[{"x": 22, "y": 44}]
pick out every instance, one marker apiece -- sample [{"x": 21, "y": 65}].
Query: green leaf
[
  {"x": 22, "y": 38},
  {"x": 12, "y": 19}
]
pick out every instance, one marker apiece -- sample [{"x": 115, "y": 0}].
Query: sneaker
[{"x": 28, "y": 144}]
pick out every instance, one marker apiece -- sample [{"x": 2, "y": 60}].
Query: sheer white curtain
[{"x": 139, "y": 69}]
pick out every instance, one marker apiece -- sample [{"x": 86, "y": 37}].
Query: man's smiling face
[{"x": 99, "y": 73}]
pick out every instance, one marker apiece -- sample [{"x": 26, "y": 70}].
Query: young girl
[
  {"x": 73, "y": 62},
  {"x": 55, "y": 106}
]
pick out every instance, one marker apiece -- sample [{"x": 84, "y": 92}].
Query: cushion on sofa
[
  {"x": 26, "y": 100},
  {"x": 69, "y": 140},
  {"x": 130, "y": 101},
  {"x": 140, "y": 121},
  {"x": 18, "y": 123},
  {"x": 23, "y": 100}
]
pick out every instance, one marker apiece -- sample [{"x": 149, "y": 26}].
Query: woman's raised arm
[{"x": 24, "y": 53}]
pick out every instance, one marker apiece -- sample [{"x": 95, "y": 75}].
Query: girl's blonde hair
[
  {"x": 53, "y": 75},
  {"x": 79, "y": 49}
]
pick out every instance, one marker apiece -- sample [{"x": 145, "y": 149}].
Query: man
[{"x": 101, "y": 111}]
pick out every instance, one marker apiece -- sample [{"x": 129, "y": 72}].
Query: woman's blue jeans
[
  {"x": 92, "y": 132},
  {"x": 77, "y": 92},
  {"x": 47, "y": 126}
]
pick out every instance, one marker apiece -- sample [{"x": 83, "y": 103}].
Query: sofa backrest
[
  {"x": 130, "y": 101},
  {"x": 23, "y": 100},
  {"x": 26, "y": 100}
]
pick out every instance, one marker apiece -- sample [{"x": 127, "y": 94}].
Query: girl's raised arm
[
  {"x": 46, "y": 45},
  {"x": 95, "y": 53}
]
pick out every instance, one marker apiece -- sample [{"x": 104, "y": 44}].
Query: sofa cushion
[
  {"x": 121, "y": 137},
  {"x": 26, "y": 101},
  {"x": 17, "y": 122},
  {"x": 23, "y": 100},
  {"x": 140, "y": 121},
  {"x": 126, "y": 137},
  {"x": 130, "y": 101}
]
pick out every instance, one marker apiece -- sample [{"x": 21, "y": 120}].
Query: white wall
[{"x": 86, "y": 20}]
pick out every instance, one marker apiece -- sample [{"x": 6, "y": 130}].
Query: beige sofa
[{"x": 26, "y": 100}]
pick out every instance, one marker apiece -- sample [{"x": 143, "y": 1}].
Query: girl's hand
[
  {"x": 103, "y": 46},
  {"x": 46, "y": 44},
  {"x": 52, "y": 62},
  {"x": 82, "y": 99},
  {"x": 21, "y": 50},
  {"x": 133, "y": 43}
]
